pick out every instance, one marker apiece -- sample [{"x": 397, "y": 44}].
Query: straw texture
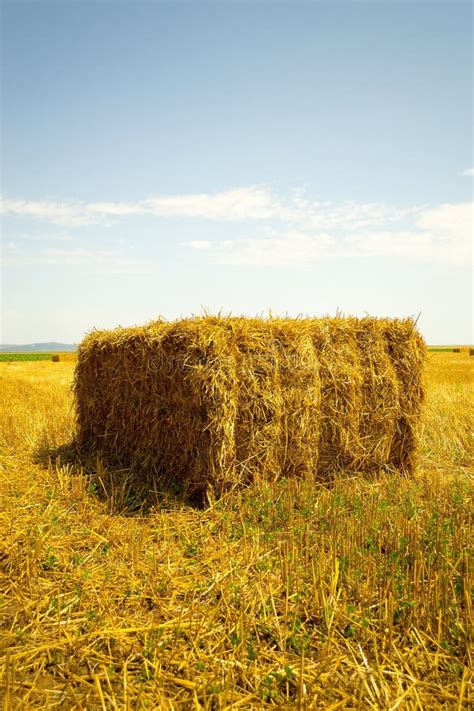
[{"x": 213, "y": 402}]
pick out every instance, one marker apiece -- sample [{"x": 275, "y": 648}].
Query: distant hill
[{"x": 36, "y": 347}]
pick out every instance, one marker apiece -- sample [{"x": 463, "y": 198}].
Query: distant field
[
  {"x": 6, "y": 357},
  {"x": 447, "y": 349},
  {"x": 12, "y": 357}
]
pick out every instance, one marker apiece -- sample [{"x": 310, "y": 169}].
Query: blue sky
[{"x": 159, "y": 158}]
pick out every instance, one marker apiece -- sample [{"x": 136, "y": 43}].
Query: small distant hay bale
[
  {"x": 55, "y": 358},
  {"x": 471, "y": 351},
  {"x": 213, "y": 402},
  {"x": 456, "y": 350}
]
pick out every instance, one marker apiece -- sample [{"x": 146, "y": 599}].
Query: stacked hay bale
[{"x": 215, "y": 401}]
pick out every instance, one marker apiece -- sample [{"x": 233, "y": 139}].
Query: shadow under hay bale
[
  {"x": 120, "y": 489},
  {"x": 211, "y": 403}
]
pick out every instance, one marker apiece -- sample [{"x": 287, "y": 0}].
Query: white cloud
[
  {"x": 251, "y": 203},
  {"x": 441, "y": 233},
  {"x": 294, "y": 230},
  {"x": 469, "y": 172},
  {"x": 68, "y": 214},
  {"x": 200, "y": 244},
  {"x": 285, "y": 249},
  {"x": 101, "y": 260},
  {"x": 349, "y": 215},
  {"x": 448, "y": 217},
  {"x": 450, "y": 225},
  {"x": 45, "y": 237},
  {"x": 239, "y": 204},
  {"x": 113, "y": 209}
]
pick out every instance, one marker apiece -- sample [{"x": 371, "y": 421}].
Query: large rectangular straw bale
[{"x": 214, "y": 401}]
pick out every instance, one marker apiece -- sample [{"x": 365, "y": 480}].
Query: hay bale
[
  {"x": 215, "y": 401},
  {"x": 55, "y": 358},
  {"x": 456, "y": 350},
  {"x": 471, "y": 351}
]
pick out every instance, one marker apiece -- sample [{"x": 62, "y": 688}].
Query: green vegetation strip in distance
[{"x": 7, "y": 357}]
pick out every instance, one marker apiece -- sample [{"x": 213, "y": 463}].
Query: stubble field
[{"x": 354, "y": 596}]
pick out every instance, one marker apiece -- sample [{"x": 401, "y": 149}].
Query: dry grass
[
  {"x": 68, "y": 356},
  {"x": 356, "y": 596}
]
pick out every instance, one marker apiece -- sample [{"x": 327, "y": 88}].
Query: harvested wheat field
[
  {"x": 210, "y": 403},
  {"x": 289, "y": 593}
]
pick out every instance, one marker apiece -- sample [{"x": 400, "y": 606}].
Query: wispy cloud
[
  {"x": 45, "y": 237},
  {"x": 67, "y": 214},
  {"x": 239, "y": 204},
  {"x": 111, "y": 261},
  {"x": 469, "y": 172},
  {"x": 251, "y": 203},
  {"x": 440, "y": 233},
  {"x": 275, "y": 230},
  {"x": 199, "y": 244}
]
